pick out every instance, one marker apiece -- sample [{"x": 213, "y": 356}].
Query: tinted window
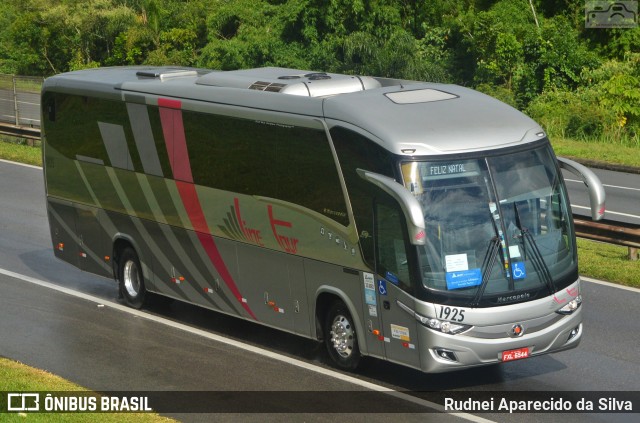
[
  {"x": 358, "y": 152},
  {"x": 392, "y": 258},
  {"x": 288, "y": 163},
  {"x": 75, "y": 130}
]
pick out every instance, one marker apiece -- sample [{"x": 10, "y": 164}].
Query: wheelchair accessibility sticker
[
  {"x": 518, "y": 270},
  {"x": 382, "y": 287}
]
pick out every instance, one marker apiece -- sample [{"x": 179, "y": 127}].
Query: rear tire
[
  {"x": 340, "y": 337},
  {"x": 130, "y": 278}
]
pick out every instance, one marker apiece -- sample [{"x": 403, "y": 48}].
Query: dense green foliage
[{"x": 534, "y": 54}]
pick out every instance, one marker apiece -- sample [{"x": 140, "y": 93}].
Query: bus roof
[{"x": 406, "y": 117}]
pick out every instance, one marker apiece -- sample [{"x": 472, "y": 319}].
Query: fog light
[
  {"x": 574, "y": 332},
  {"x": 446, "y": 354}
]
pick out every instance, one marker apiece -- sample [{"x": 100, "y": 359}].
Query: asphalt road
[
  {"x": 185, "y": 348},
  {"x": 622, "y": 190},
  {"x": 28, "y": 107}
]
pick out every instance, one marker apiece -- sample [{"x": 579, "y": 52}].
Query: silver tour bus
[{"x": 419, "y": 223}]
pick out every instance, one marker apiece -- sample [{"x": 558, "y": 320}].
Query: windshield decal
[
  {"x": 464, "y": 278},
  {"x": 518, "y": 270},
  {"x": 456, "y": 262}
]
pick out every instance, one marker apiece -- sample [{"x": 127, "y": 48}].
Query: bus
[{"x": 423, "y": 224}]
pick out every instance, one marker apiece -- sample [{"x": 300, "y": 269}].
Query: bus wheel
[
  {"x": 130, "y": 278},
  {"x": 340, "y": 337}
]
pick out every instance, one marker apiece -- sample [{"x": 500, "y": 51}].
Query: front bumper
[{"x": 484, "y": 345}]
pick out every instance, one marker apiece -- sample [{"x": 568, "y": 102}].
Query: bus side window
[
  {"x": 358, "y": 152},
  {"x": 392, "y": 260}
]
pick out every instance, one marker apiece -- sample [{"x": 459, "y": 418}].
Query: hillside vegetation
[{"x": 534, "y": 54}]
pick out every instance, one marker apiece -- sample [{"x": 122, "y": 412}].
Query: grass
[
  {"x": 19, "y": 151},
  {"x": 32, "y": 84},
  {"x": 17, "y": 377},
  {"x": 598, "y": 151},
  {"x": 607, "y": 262}
]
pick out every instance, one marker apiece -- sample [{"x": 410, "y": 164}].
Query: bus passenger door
[{"x": 394, "y": 285}]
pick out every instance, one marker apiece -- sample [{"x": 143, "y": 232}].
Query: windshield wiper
[
  {"x": 487, "y": 266},
  {"x": 536, "y": 256}
]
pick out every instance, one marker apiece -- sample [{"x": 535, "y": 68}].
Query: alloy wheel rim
[
  {"x": 131, "y": 278},
  {"x": 342, "y": 336}
]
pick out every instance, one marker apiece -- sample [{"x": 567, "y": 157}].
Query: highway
[
  {"x": 28, "y": 104},
  {"x": 623, "y": 195},
  {"x": 55, "y": 317}
]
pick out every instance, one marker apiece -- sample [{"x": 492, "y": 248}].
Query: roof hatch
[
  {"x": 166, "y": 74},
  {"x": 426, "y": 95}
]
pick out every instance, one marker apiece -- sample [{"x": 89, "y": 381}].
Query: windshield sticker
[
  {"x": 369, "y": 290},
  {"x": 518, "y": 270},
  {"x": 514, "y": 251},
  {"x": 464, "y": 278},
  {"x": 400, "y": 332},
  {"x": 456, "y": 262},
  {"x": 392, "y": 278}
]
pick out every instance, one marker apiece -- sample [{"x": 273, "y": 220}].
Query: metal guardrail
[
  {"x": 611, "y": 232},
  {"x": 20, "y": 100},
  {"x": 20, "y": 131}
]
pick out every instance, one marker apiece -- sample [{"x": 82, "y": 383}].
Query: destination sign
[
  {"x": 447, "y": 169},
  {"x": 432, "y": 171}
]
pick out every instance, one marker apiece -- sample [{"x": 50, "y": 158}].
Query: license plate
[{"x": 518, "y": 354}]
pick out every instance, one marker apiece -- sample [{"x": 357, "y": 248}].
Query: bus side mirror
[
  {"x": 597, "y": 195},
  {"x": 408, "y": 203}
]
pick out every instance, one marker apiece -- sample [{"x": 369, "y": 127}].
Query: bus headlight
[
  {"x": 442, "y": 325},
  {"x": 571, "y": 306}
]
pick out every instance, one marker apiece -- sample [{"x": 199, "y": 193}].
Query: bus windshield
[{"x": 497, "y": 227}]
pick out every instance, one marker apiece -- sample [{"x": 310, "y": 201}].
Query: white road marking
[
  {"x": 245, "y": 347},
  {"x": 605, "y": 185},
  {"x": 21, "y": 164},
  {"x": 609, "y": 284},
  {"x": 608, "y": 211}
]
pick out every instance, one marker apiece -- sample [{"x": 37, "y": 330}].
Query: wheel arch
[
  {"x": 325, "y": 296},
  {"x": 120, "y": 241}
]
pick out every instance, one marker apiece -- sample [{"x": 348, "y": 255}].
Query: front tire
[
  {"x": 340, "y": 337},
  {"x": 130, "y": 279}
]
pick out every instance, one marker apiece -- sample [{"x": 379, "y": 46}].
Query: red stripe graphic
[
  {"x": 174, "y": 136},
  {"x": 173, "y": 130}
]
